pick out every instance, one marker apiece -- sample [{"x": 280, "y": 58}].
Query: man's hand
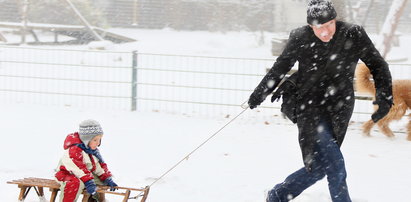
[
  {"x": 286, "y": 86},
  {"x": 254, "y": 101},
  {"x": 277, "y": 95},
  {"x": 383, "y": 109}
]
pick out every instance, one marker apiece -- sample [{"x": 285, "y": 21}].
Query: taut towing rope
[{"x": 244, "y": 106}]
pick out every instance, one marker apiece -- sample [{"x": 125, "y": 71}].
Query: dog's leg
[
  {"x": 383, "y": 126},
  {"x": 366, "y": 127}
]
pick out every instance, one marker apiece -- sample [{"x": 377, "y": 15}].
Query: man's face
[{"x": 326, "y": 31}]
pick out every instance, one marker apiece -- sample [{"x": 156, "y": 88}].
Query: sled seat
[{"x": 38, "y": 184}]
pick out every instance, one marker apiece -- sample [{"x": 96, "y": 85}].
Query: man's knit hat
[
  {"x": 320, "y": 12},
  {"x": 88, "y": 129}
]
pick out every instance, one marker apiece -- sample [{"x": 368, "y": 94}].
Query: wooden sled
[{"x": 38, "y": 184}]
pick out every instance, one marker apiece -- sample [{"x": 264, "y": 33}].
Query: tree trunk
[{"x": 390, "y": 25}]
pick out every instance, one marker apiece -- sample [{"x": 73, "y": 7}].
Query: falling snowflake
[
  {"x": 320, "y": 128},
  {"x": 270, "y": 83}
]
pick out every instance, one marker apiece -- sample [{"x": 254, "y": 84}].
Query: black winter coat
[{"x": 332, "y": 95}]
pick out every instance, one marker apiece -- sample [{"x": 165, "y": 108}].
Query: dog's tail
[{"x": 363, "y": 81}]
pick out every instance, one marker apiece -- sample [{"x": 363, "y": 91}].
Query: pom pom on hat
[
  {"x": 88, "y": 129},
  {"x": 320, "y": 12}
]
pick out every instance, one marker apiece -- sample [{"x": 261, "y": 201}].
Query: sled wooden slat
[{"x": 38, "y": 184}]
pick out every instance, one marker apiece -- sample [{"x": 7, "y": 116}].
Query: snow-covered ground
[{"x": 239, "y": 165}]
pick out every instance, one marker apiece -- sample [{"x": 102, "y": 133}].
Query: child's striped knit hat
[{"x": 88, "y": 129}]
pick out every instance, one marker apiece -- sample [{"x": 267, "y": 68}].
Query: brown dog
[{"x": 401, "y": 90}]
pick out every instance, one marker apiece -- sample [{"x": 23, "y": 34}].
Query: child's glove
[
  {"x": 91, "y": 187},
  {"x": 111, "y": 183}
]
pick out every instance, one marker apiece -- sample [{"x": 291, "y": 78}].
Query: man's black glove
[
  {"x": 254, "y": 100},
  {"x": 286, "y": 86},
  {"x": 383, "y": 109}
]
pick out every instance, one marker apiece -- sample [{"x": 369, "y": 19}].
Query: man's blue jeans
[{"x": 328, "y": 160}]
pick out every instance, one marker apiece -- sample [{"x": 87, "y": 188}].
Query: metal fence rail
[
  {"x": 215, "y": 85},
  {"x": 67, "y": 77},
  {"x": 138, "y": 81},
  {"x": 206, "y": 85}
]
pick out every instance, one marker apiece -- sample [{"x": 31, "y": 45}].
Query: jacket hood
[{"x": 71, "y": 140}]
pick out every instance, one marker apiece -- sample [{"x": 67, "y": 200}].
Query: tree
[{"x": 390, "y": 25}]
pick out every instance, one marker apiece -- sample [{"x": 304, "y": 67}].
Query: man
[{"x": 325, "y": 103}]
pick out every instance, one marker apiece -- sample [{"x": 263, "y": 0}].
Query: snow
[
  {"x": 229, "y": 44},
  {"x": 318, "y": 8},
  {"x": 245, "y": 160},
  {"x": 240, "y": 164}
]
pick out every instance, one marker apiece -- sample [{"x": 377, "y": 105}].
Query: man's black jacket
[{"x": 332, "y": 96}]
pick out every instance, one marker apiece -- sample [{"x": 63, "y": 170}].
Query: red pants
[{"x": 71, "y": 187}]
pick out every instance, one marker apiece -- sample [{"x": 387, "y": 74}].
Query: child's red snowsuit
[{"x": 76, "y": 167}]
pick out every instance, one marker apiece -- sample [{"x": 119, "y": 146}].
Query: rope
[{"x": 245, "y": 107}]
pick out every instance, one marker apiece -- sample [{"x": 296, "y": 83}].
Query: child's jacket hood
[{"x": 72, "y": 139}]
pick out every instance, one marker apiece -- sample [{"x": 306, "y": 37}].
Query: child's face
[{"x": 95, "y": 142}]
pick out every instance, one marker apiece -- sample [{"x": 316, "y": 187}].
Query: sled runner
[{"x": 38, "y": 184}]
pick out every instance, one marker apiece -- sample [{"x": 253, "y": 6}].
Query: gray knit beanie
[
  {"x": 88, "y": 130},
  {"x": 320, "y": 12}
]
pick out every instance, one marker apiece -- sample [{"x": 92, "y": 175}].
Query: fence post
[{"x": 134, "y": 82}]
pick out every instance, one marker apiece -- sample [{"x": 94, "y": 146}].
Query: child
[{"x": 81, "y": 165}]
